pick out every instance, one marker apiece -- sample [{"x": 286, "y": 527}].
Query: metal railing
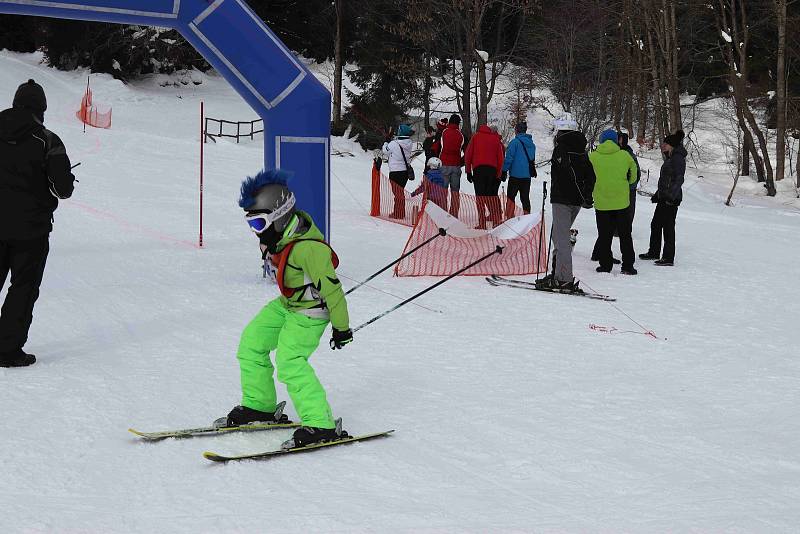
[{"x": 243, "y": 129}]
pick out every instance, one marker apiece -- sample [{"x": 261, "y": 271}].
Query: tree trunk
[
  {"x": 426, "y": 97},
  {"x": 338, "y": 67},
  {"x": 780, "y": 142}
]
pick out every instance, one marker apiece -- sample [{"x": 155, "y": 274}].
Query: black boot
[
  {"x": 242, "y": 415},
  {"x": 308, "y": 435},
  {"x": 648, "y": 256},
  {"x": 16, "y": 358}
]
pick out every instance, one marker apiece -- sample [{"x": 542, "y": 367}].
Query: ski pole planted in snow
[
  {"x": 541, "y": 233},
  {"x": 497, "y": 250},
  {"x": 442, "y": 232}
]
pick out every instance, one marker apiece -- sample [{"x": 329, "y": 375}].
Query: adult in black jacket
[
  {"x": 623, "y": 144},
  {"x": 34, "y": 174},
  {"x": 572, "y": 177},
  {"x": 667, "y": 199}
]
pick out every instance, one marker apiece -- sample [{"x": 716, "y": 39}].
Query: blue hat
[
  {"x": 404, "y": 130},
  {"x": 609, "y": 135}
]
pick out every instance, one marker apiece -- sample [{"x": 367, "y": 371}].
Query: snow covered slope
[{"x": 512, "y": 414}]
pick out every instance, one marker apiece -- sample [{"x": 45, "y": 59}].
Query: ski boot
[
  {"x": 242, "y": 415},
  {"x": 16, "y": 358},
  {"x": 546, "y": 282},
  {"x": 307, "y": 435}
]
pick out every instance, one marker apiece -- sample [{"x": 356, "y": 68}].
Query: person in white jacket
[{"x": 399, "y": 151}]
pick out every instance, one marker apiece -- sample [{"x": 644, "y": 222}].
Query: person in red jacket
[
  {"x": 451, "y": 151},
  {"x": 484, "y": 163}
]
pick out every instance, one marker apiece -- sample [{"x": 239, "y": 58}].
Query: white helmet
[
  {"x": 434, "y": 163},
  {"x": 565, "y": 123}
]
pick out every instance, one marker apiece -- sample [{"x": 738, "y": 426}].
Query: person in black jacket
[
  {"x": 667, "y": 199},
  {"x": 623, "y": 144},
  {"x": 572, "y": 178},
  {"x": 34, "y": 174}
]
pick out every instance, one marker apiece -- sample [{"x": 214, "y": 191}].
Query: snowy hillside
[{"x": 512, "y": 414}]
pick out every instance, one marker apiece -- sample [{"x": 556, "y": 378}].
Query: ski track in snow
[{"x": 511, "y": 414}]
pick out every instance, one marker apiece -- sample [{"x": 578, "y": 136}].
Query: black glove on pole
[
  {"x": 442, "y": 232},
  {"x": 340, "y": 338},
  {"x": 498, "y": 250}
]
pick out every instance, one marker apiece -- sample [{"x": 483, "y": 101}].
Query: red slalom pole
[{"x": 202, "y": 142}]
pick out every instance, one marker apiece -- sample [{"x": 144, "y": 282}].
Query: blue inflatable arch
[{"x": 295, "y": 107}]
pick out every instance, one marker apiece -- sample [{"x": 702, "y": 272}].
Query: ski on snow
[
  {"x": 498, "y": 281},
  {"x": 214, "y": 457},
  {"x": 209, "y": 431}
]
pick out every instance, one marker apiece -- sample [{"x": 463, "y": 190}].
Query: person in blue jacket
[
  {"x": 520, "y": 167},
  {"x": 434, "y": 184}
]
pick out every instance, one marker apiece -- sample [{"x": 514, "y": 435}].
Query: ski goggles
[{"x": 260, "y": 220}]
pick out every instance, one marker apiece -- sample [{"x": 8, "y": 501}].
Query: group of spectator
[
  {"x": 485, "y": 159},
  {"x": 605, "y": 179}
]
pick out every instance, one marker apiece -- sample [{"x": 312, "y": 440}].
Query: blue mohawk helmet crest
[{"x": 253, "y": 184}]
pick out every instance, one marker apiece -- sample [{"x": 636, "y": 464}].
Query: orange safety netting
[
  {"x": 396, "y": 204},
  {"x": 88, "y": 114},
  {"x": 523, "y": 239}
]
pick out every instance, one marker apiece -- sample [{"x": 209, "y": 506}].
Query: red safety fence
[
  {"x": 523, "y": 240},
  {"x": 398, "y": 205},
  {"x": 88, "y": 114}
]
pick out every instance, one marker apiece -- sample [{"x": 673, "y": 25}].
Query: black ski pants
[
  {"x": 607, "y": 223},
  {"x": 523, "y": 187},
  {"x": 399, "y": 180},
  {"x": 663, "y": 222},
  {"x": 25, "y": 260},
  {"x": 487, "y": 186}
]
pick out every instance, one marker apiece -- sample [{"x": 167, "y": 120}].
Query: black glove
[
  {"x": 535, "y": 173},
  {"x": 504, "y": 176},
  {"x": 340, "y": 338},
  {"x": 469, "y": 177},
  {"x": 654, "y": 198}
]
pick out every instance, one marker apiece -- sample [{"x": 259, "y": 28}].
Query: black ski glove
[
  {"x": 504, "y": 176},
  {"x": 654, "y": 198},
  {"x": 340, "y": 338},
  {"x": 469, "y": 177}
]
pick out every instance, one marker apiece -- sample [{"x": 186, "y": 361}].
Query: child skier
[
  {"x": 433, "y": 184},
  {"x": 292, "y": 324}
]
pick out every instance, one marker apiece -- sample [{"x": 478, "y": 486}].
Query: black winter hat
[
  {"x": 623, "y": 138},
  {"x": 30, "y": 95},
  {"x": 675, "y": 140},
  {"x": 455, "y": 119}
]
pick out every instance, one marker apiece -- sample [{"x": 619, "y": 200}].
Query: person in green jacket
[
  {"x": 615, "y": 171},
  {"x": 292, "y": 324}
]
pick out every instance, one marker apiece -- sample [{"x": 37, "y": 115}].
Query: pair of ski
[
  {"x": 255, "y": 427},
  {"x": 499, "y": 281}
]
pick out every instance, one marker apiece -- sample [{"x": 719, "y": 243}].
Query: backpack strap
[{"x": 281, "y": 260}]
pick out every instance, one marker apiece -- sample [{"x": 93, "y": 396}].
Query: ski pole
[
  {"x": 541, "y": 232},
  {"x": 441, "y": 232},
  {"x": 498, "y": 250},
  {"x": 76, "y": 165}
]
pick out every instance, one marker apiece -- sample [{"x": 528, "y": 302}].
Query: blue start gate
[{"x": 295, "y": 107}]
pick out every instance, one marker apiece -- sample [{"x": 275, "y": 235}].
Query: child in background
[{"x": 433, "y": 184}]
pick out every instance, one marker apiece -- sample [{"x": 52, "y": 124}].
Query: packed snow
[{"x": 512, "y": 412}]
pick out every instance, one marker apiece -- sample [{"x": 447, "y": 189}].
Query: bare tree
[
  {"x": 732, "y": 24},
  {"x": 780, "y": 142}
]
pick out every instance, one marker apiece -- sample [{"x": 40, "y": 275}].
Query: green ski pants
[{"x": 295, "y": 337}]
